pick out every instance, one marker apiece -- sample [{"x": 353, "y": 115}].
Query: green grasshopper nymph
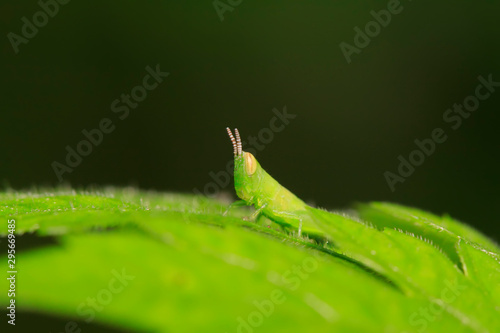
[{"x": 256, "y": 187}]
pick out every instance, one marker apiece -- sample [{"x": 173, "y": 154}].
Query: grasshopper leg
[
  {"x": 288, "y": 216},
  {"x": 256, "y": 214},
  {"x": 238, "y": 203}
]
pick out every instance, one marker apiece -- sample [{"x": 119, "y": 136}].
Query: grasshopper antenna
[
  {"x": 235, "y": 148},
  {"x": 238, "y": 141}
]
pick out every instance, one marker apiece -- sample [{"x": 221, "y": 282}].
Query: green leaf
[{"x": 195, "y": 270}]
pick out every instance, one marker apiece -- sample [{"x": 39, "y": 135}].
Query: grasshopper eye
[{"x": 250, "y": 164}]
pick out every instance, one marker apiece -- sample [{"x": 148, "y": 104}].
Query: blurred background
[{"x": 231, "y": 63}]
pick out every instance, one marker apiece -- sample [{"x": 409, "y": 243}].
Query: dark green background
[{"x": 353, "y": 120}]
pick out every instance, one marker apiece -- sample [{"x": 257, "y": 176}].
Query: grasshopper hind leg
[{"x": 289, "y": 219}]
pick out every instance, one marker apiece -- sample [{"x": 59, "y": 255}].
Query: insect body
[{"x": 256, "y": 187}]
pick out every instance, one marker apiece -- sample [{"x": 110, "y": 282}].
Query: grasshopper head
[{"x": 246, "y": 169}]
